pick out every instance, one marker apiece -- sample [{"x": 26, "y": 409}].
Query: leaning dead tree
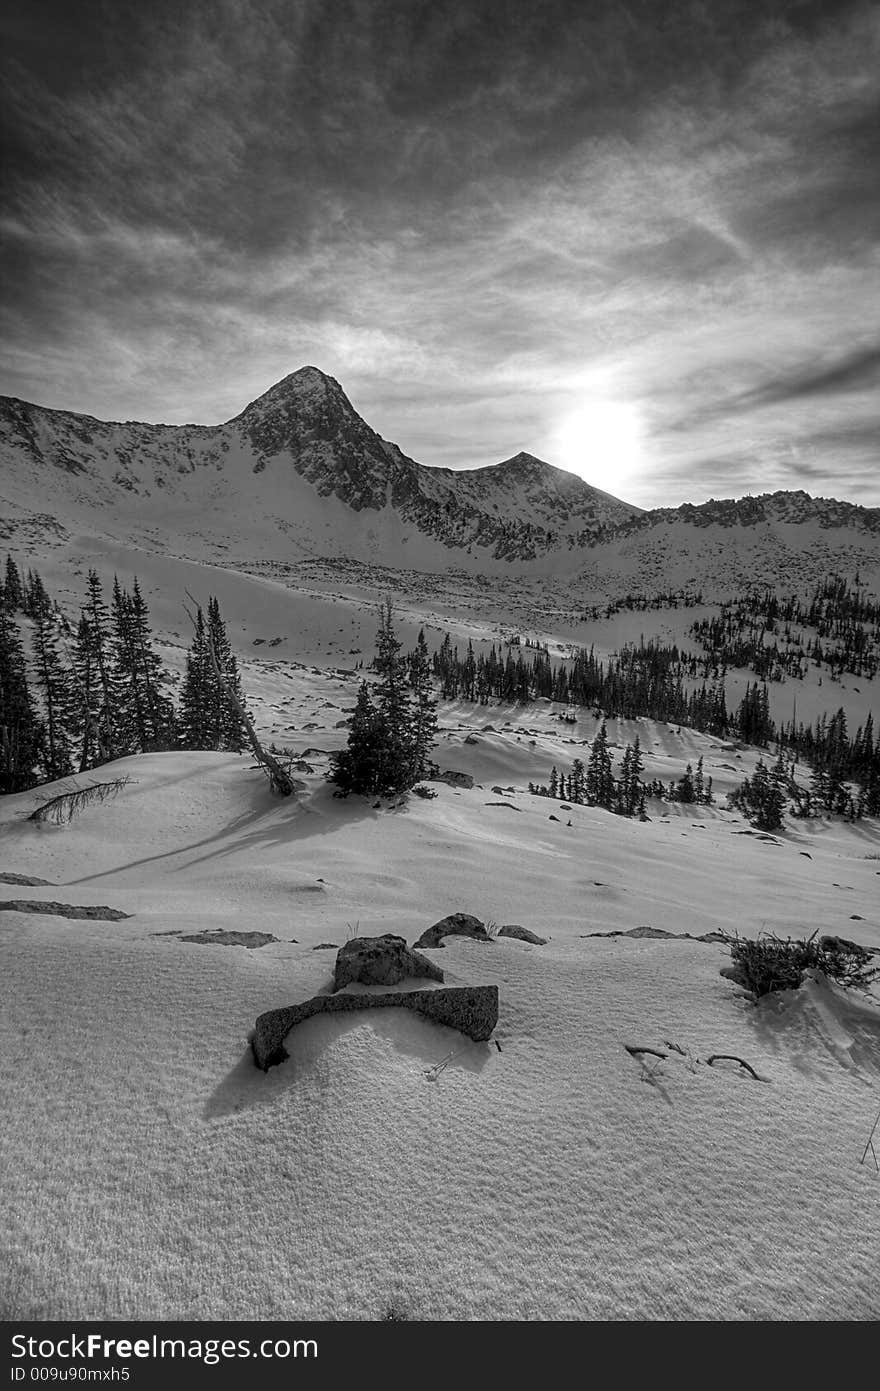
[
  {"x": 279, "y": 779},
  {"x": 65, "y": 806}
]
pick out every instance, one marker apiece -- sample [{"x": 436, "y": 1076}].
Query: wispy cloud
[{"x": 478, "y": 217}]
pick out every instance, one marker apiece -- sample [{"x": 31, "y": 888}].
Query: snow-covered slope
[{"x": 150, "y": 1171}]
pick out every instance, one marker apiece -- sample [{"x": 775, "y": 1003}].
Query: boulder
[
  {"x": 220, "y": 937},
  {"x": 843, "y": 945},
  {"x": 522, "y": 934},
  {"x": 471, "y": 1009},
  {"x": 453, "y": 778},
  {"x": 385, "y": 960},
  {"x": 455, "y": 925}
]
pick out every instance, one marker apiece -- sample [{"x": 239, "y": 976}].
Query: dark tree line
[
  {"x": 88, "y": 694},
  {"x": 767, "y": 633},
  {"x": 594, "y": 785},
  {"x": 649, "y": 680}
]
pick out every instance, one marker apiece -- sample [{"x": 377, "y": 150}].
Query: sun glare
[{"x": 601, "y": 441}]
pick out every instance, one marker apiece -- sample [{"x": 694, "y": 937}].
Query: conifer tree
[
  {"x": 424, "y": 727},
  {"x": 196, "y": 695},
  {"x": 577, "y": 789},
  {"x": 130, "y": 719},
  {"x": 106, "y": 731},
  {"x": 35, "y": 600},
  {"x": 13, "y": 591},
  {"x": 599, "y": 782},
  {"x": 53, "y": 682},
  {"x": 389, "y": 735},
  {"x": 208, "y": 718},
  {"x": 146, "y": 716},
  {"x": 230, "y": 728},
  {"x": 684, "y": 788},
  {"x": 394, "y": 701},
  {"x": 362, "y": 765},
  {"x": 89, "y": 704},
  {"x": 20, "y": 728}
]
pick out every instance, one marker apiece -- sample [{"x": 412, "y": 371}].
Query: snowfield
[{"x": 390, "y": 1165}]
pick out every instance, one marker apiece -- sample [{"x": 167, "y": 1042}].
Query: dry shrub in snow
[{"x": 769, "y": 963}]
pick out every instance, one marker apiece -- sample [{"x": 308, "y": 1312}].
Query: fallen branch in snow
[
  {"x": 432, "y": 1073},
  {"x": 65, "y": 806},
  {"x": 636, "y": 1051},
  {"x": 731, "y": 1058}
]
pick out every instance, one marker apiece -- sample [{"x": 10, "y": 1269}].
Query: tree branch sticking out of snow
[
  {"x": 731, "y": 1058},
  {"x": 63, "y": 808},
  {"x": 279, "y": 779}
]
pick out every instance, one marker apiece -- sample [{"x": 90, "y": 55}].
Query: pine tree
[
  {"x": 229, "y": 727},
  {"x": 208, "y": 719},
  {"x": 13, "y": 591},
  {"x": 106, "y": 731},
  {"x": 424, "y": 729},
  {"x": 35, "y": 600},
  {"x": 390, "y": 731},
  {"x": 53, "y": 681},
  {"x": 578, "y": 782},
  {"x": 684, "y": 788},
  {"x": 194, "y": 717},
  {"x": 130, "y": 721},
  {"x": 159, "y": 717},
  {"x": 599, "y": 781},
  {"x": 89, "y": 704},
  {"x": 362, "y": 765},
  {"x": 395, "y": 703},
  {"x": 20, "y": 728},
  {"x": 145, "y": 715}
]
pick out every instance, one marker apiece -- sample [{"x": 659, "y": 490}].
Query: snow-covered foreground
[{"x": 151, "y": 1171}]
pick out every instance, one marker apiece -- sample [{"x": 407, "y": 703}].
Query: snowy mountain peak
[
  {"x": 307, "y": 389},
  {"x": 299, "y": 472}
]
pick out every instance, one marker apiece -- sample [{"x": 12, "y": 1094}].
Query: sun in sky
[{"x": 602, "y": 441}]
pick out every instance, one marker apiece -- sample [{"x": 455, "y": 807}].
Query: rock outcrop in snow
[
  {"x": 471, "y": 1009},
  {"x": 385, "y": 960},
  {"x": 455, "y": 925}
]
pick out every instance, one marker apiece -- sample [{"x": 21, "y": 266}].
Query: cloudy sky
[{"x": 638, "y": 238}]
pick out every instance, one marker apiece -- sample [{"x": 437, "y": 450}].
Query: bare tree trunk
[{"x": 279, "y": 779}]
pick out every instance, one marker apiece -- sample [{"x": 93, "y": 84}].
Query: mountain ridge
[{"x": 299, "y": 471}]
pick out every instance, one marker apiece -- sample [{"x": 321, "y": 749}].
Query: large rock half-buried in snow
[
  {"x": 472, "y": 1009},
  {"x": 522, "y": 933},
  {"x": 385, "y": 960},
  {"x": 455, "y": 925}
]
